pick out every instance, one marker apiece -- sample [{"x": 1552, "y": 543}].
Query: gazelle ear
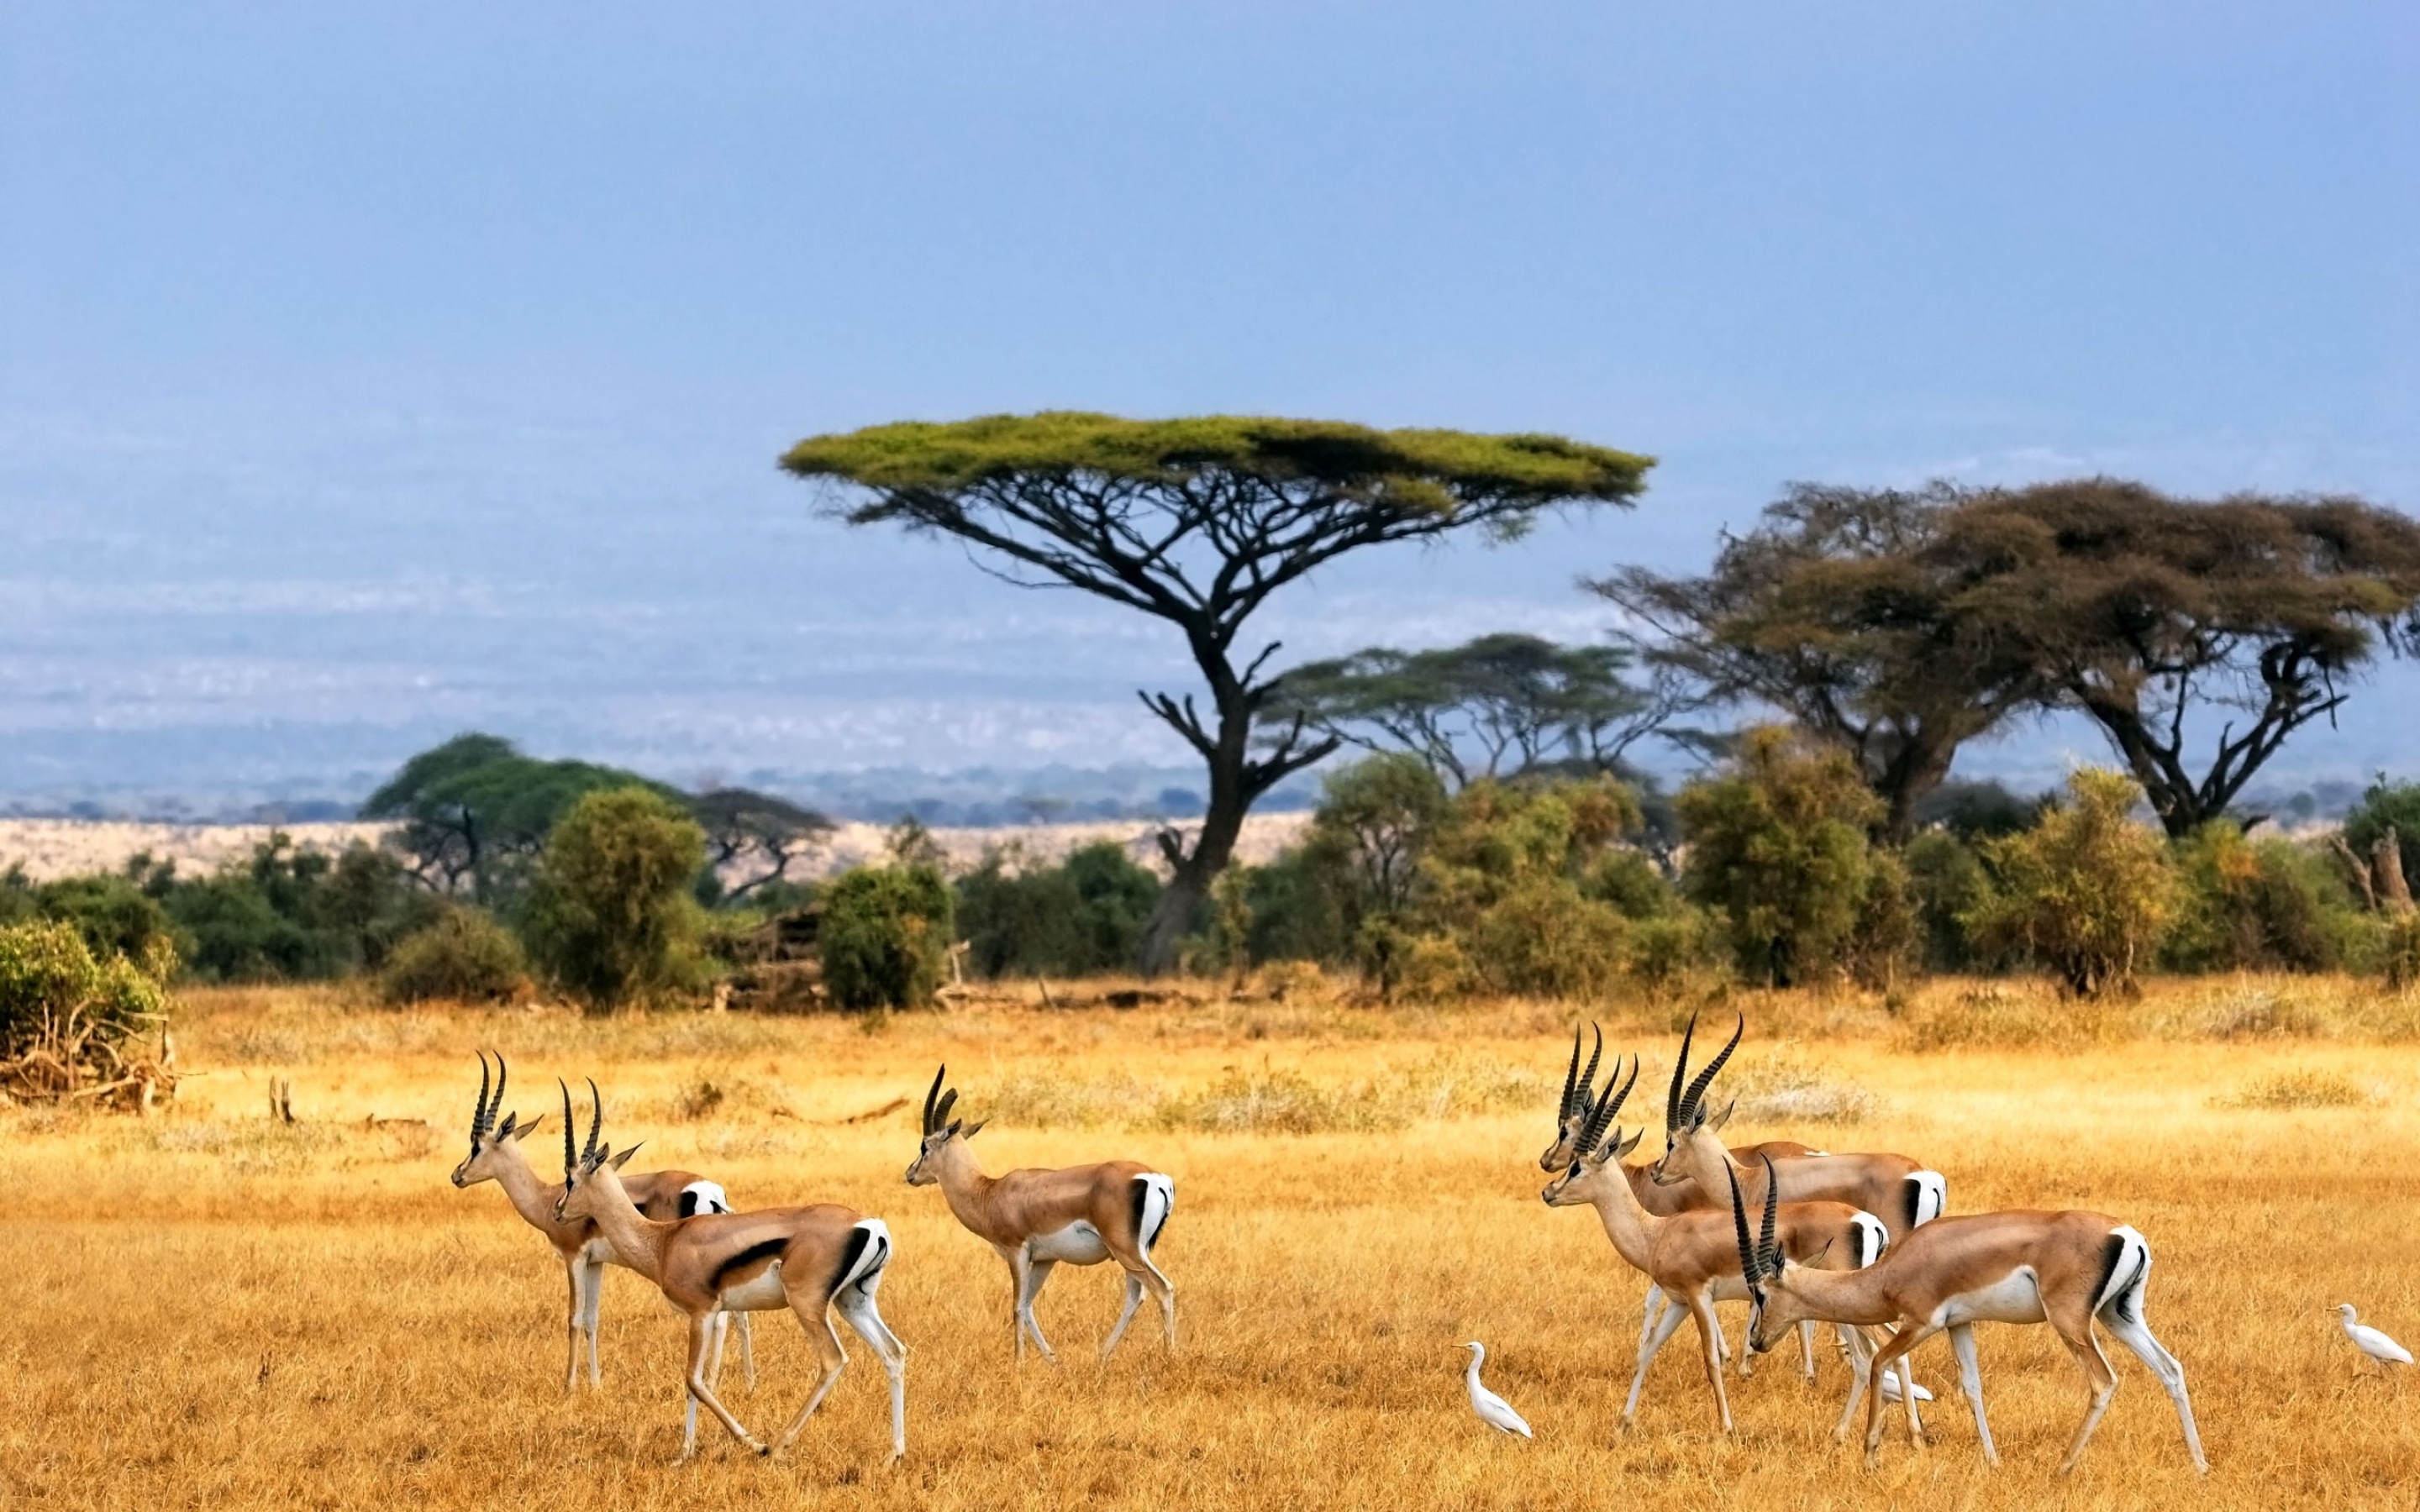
[
  {"x": 518, "y": 1130},
  {"x": 950, "y": 1131},
  {"x": 973, "y": 1129},
  {"x": 1723, "y": 1117},
  {"x": 1628, "y": 1145},
  {"x": 623, "y": 1158}
]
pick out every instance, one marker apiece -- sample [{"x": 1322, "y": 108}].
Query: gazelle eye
[{"x": 1574, "y": 1173}]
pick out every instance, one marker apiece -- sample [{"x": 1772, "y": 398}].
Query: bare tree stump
[{"x": 2386, "y": 862}]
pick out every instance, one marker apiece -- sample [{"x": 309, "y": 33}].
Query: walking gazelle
[
  {"x": 2069, "y": 1270},
  {"x": 496, "y": 1155},
  {"x": 1690, "y": 1256},
  {"x": 813, "y": 1260},
  {"x": 1035, "y": 1219}
]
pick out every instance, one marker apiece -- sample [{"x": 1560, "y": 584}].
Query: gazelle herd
[{"x": 1855, "y": 1241}]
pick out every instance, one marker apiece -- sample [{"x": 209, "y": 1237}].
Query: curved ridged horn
[
  {"x": 596, "y": 1119},
  {"x": 497, "y": 1106},
  {"x": 479, "y": 1113},
  {"x": 1680, "y": 1071},
  {"x": 1706, "y": 1077},
  {"x": 1768, "y": 1252},
  {"x": 1601, "y": 1116},
  {"x": 941, "y": 1109},
  {"x": 1571, "y": 1076},
  {"x": 571, "y": 1152},
  {"x": 1750, "y": 1268},
  {"x": 932, "y": 1094},
  {"x": 1588, "y": 1079}
]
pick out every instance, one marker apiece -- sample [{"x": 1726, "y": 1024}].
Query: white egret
[
  {"x": 1493, "y": 1409},
  {"x": 1890, "y": 1387},
  {"x": 2368, "y": 1340}
]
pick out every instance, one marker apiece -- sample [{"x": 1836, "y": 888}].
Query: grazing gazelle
[
  {"x": 1690, "y": 1256},
  {"x": 2066, "y": 1269},
  {"x": 1083, "y": 1216},
  {"x": 813, "y": 1260},
  {"x": 1891, "y": 1187},
  {"x": 496, "y": 1156}
]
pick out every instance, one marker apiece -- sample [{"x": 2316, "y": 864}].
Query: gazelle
[
  {"x": 1662, "y": 1201},
  {"x": 1891, "y": 1187},
  {"x": 2066, "y": 1269},
  {"x": 1083, "y": 1216},
  {"x": 496, "y": 1155},
  {"x": 1690, "y": 1256},
  {"x": 813, "y": 1260}
]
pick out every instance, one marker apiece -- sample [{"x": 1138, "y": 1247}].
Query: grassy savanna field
[{"x": 216, "y": 1310}]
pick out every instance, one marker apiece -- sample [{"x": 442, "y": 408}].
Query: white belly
[
  {"x": 2014, "y": 1299},
  {"x": 761, "y": 1293},
  {"x": 1078, "y": 1244}
]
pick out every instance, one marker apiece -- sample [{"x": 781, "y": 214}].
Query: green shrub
[
  {"x": 1777, "y": 847},
  {"x": 1946, "y": 881},
  {"x": 2383, "y": 806},
  {"x": 2247, "y": 905},
  {"x": 1676, "y": 950},
  {"x": 465, "y": 956},
  {"x": 885, "y": 936},
  {"x": 611, "y": 919},
  {"x": 113, "y": 914},
  {"x": 1080, "y": 918},
  {"x": 2088, "y": 891},
  {"x": 67, "y": 1012}
]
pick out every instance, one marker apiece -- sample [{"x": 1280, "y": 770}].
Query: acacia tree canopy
[
  {"x": 2142, "y": 610},
  {"x": 1500, "y": 705},
  {"x": 1198, "y": 521},
  {"x": 1834, "y": 612}
]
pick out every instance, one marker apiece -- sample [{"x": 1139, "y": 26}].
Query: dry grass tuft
[
  {"x": 2287, "y": 1091},
  {"x": 2010, "y": 1016},
  {"x": 1780, "y": 1087},
  {"x": 1280, "y": 1101},
  {"x": 1044, "y": 1100}
]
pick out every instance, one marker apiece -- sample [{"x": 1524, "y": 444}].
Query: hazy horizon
[{"x": 369, "y": 376}]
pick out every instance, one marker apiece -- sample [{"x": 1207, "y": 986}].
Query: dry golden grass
[{"x": 217, "y": 1311}]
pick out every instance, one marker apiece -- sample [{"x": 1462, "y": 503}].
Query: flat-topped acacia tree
[{"x": 1198, "y": 521}]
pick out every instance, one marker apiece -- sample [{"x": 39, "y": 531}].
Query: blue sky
[{"x": 368, "y": 372}]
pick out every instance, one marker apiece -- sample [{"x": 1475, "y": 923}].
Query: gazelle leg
[
  {"x": 1962, "y": 1343},
  {"x": 748, "y": 1348},
  {"x": 2136, "y": 1335},
  {"x": 1126, "y": 1315},
  {"x": 1667, "y": 1325},
  {"x": 574, "y": 1328},
  {"x": 2099, "y": 1383},
  {"x": 596, "y": 1306},
  {"x": 1861, "y": 1360},
  {"x": 1709, "y": 1331},
  {"x": 1163, "y": 1290},
  {"x": 1807, "y": 1348},
  {"x": 701, "y": 1333},
  {"x": 1032, "y": 1274},
  {"x": 828, "y": 1350},
  {"x": 714, "y": 1354},
  {"x": 859, "y": 1308},
  {"x": 1890, "y": 1355}
]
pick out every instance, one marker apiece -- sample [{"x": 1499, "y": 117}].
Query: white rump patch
[
  {"x": 1872, "y": 1238},
  {"x": 1932, "y": 1196},
  {"x": 1158, "y": 1201},
  {"x": 707, "y": 1197}
]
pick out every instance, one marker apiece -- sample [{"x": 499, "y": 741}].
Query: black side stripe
[
  {"x": 1142, "y": 1206},
  {"x": 688, "y": 1203},
  {"x": 2113, "y": 1249},
  {"x": 764, "y": 1249},
  {"x": 856, "y": 1246},
  {"x": 1914, "y": 1191},
  {"x": 2122, "y": 1302}
]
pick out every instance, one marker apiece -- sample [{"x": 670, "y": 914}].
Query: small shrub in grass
[
  {"x": 2262, "y": 1013},
  {"x": 2398, "y": 950},
  {"x": 1041, "y": 1100},
  {"x": 2086, "y": 891},
  {"x": 464, "y": 957},
  {"x": 2290, "y": 1090},
  {"x": 1995, "y": 1018},
  {"x": 1779, "y": 1088},
  {"x": 1278, "y": 1101}
]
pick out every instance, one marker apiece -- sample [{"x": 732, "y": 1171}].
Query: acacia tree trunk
[{"x": 1232, "y": 791}]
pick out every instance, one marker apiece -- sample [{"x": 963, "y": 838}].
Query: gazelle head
[
  {"x": 591, "y": 1169},
  {"x": 487, "y": 1136},
  {"x": 1579, "y": 1089},
  {"x": 1597, "y": 1145},
  {"x": 1685, "y": 1113},
  {"x": 941, "y": 1131},
  {"x": 1774, "y": 1307}
]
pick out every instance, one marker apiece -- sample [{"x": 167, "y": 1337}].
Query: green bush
[
  {"x": 2383, "y": 806},
  {"x": 1676, "y": 950},
  {"x": 465, "y": 956},
  {"x": 1777, "y": 847},
  {"x": 2088, "y": 891},
  {"x": 287, "y": 913},
  {"x": 2254, "y": 905},
  {"x": 885, "y": 936},
  {"x": 1083, "y": 917},
  {"x": 611, "y": 919},
  {"x": 113, "y": 914},
  {"x": 66, "y": 1012},
  {"x": 1946, "y": 881}
]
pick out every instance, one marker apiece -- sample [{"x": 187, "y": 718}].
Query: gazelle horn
[
  {"x": 571, "y": 1152},
  {"x": 596, "y": 1119},
  {"x": 1601, "y": 1116},
  {"x": 497, "y": 1106},
  {"x": 1748, "y": 1258},
  {"x": 1768, "y": 1252},
  {"x": 1587, "y": 1092},
  {"x": 934, "y": 1093},
  {"x": 1706, "y": 1077},
  {"x": 1571, "y": 1076},
  {"x": 1679, "y": 1069},
  {"x": 479, "y": 1115}
]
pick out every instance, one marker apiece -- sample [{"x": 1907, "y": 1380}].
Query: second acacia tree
[{"x": 1197, "y": 522}]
